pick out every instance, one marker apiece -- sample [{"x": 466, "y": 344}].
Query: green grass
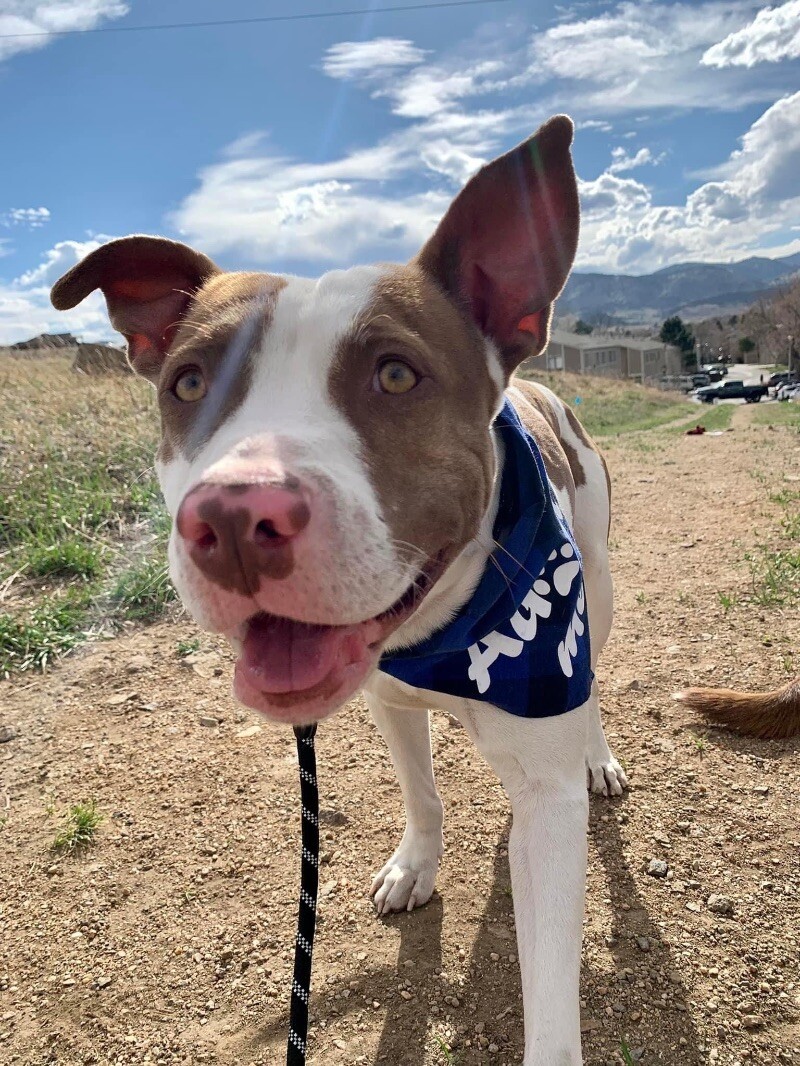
[
  {"x": 143, "y": 591},
  {"x": 775, "y": 567},
  {"x": 79, "y": 827},
  {"x": 83, "y": 530},
  {"x": 609, "y": 407},
  {"x": 700, "y": 744},
  {"x": 69, "y": 558},
  {"x": 96, "y": 487},
  {"x": 447, "y": 1055},
  {"x": 54, "y": 627},
  {"x": 82, "y": 527},
  {"x": 713, "y": 417},
  {"x": 727, "y": 601},
  {"x": 627, "y": 1057},
  {"x": 778, "y": 414},
  {"x": 187, "y": 647}
]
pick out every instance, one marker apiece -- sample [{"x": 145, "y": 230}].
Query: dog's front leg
[
  {"x": 541, "y": 764},
  {"x": 408, "y": 878}
]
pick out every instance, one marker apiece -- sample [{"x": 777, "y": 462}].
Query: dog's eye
[
  {"x": 396, "y": 377},
  {"x": 190, "y": 386}
]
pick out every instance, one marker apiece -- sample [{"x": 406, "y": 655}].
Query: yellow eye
[
  {"x": 190, "y": 386},
  {"x": 396, "y": 377}
]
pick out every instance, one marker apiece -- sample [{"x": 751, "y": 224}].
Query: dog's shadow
[
  {"x": 632, "y": 929},
  {"x": 491, "y": 991},
  {"x": 417, "y": 993}
]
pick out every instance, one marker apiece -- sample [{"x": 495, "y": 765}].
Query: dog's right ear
[
  {"x": 506, "y": 244},
  {"x": 148, "y": 283}
]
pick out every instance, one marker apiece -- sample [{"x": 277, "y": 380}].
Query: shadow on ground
[{"x": 424, "y": 1028}]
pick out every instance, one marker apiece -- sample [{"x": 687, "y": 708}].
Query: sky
[{"x": 305, "y": 145}]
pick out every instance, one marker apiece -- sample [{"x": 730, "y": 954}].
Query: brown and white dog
[{"x": 329, "y": 462}]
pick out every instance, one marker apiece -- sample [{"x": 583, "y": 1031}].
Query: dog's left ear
[
  {"x": 506, "y": 245},
  {"x": 149, "y": 284}
]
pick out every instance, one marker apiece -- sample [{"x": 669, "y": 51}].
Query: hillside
[{"x": 677, "y": 289}]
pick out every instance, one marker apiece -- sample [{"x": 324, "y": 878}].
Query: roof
[
  {"x": 583, "y": 340},
  {"x": 643, "y": 344},
  {"x": 590, "y": 341}
]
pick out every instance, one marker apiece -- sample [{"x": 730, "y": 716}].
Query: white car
[{"x": 789, "y": 392}]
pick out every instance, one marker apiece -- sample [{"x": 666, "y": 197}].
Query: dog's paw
[
  {"x": 408, "y": 878},
  {"x": 604, "y": 774}
]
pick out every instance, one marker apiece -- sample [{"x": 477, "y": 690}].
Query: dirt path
[{"x": 170, "y": 940}]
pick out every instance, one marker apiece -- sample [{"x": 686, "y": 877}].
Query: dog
[{"x": 351, "y": 466}]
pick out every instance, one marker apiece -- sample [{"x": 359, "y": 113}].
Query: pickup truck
[{"x": 731, "y": 390}]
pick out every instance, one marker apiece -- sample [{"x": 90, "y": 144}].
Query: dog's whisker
[
  {"x": 513, "y": 558},
  {"x": 500, "y": 570}
]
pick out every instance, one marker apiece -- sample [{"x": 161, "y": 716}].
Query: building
[
  {"x": 648, "y": 359},
  {"x": 639, "y": 359}
]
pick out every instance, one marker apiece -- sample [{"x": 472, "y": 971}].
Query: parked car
[
  {"x": 783, "y": 378},
  {"x": 790, "y": 391},
  {"x": 715, "y": 371},
  {"x": 731, "y": 390},
  {"x": 700, "y": 379}
]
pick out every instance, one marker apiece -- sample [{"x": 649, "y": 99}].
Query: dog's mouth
[{"x": 299, "y": 672}]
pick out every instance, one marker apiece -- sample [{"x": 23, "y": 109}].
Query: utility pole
[{"x": 789, "y": 357}]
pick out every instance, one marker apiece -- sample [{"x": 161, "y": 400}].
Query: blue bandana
[{"x": 522, "y": 640}]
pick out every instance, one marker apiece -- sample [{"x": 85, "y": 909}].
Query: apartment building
[{"x": 639, "y": 359}]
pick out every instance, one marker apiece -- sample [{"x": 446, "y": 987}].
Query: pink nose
[{"x": 235, "y": 533}]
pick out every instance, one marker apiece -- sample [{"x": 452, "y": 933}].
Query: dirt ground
[{"x": 170, "y": 940}]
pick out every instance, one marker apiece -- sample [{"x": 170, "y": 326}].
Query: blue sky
[{"x": 313, "y": 144}]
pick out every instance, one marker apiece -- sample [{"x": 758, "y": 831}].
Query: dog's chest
[{"x": 520, "y": 640}]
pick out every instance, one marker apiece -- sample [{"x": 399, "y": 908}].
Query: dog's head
[{"x": 326, "y": 449}]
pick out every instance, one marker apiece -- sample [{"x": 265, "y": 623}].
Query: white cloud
[
  {"x": 377, "y": 202},
  {"x": 32, "y": 217},
  {"x": 25, "y": 308},
  {"x": 765, "y": 168},
  {"x": 595, "y": 124},
  {"x": 18, "y": 18},
  {"x": 639, "y": 56},
  {"x": 774, "y": 34},
  {"x": 276, "y": 211},
  {"x": 381, "y": 200},
  {"x": 622, "y": 161},
  {"x": 57, "y": 261},
  {"x": 426, "y": 90},
  {"x": 609, "y": 196},
  {"x": 352, "y": 60},
  {"x": 755, "y": 200}
]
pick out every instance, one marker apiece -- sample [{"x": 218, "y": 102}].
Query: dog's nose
[{"x": 232, "y": 529}]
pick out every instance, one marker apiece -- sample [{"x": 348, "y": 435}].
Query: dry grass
[
  {"x": 78, "y": 494},
  {"x": 609, "y": 406}
]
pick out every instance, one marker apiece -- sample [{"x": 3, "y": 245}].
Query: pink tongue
[{"x": 285, "y": 656}]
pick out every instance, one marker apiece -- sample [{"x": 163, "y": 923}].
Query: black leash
[{"x": 309, "y": 884}]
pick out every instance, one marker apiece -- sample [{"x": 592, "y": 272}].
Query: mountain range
[{"x": 691, "y": 290}]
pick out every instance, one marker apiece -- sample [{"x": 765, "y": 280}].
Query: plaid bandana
[{"x": 522, "y": 641}]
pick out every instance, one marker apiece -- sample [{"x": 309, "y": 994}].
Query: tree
[
  {"x": 583, "y": 327},
  {"x": 746, "y": 345},
  {"x": 675, "y": 331}
]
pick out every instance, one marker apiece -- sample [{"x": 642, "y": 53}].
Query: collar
[{"x": 522, "y": 640}]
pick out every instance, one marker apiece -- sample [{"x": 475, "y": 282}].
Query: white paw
[
  {"x": 408, "y": 878},
  {"x": 604, "y": 774}
]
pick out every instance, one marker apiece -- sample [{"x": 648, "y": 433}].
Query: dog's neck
[{"x": 459, "y": 581}]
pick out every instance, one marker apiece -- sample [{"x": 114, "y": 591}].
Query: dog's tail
[{"x": 772, "y": 715}]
